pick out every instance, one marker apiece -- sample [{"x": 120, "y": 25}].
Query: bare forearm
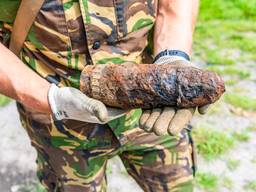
[
  {"x": 21, "y": 83},
  {"x": 175, "y": 25}
]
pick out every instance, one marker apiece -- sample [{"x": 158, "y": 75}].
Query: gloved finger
[
  {"x": 148, "y": 126},
  {"x": 161, "y": 125},
  {"x": 203, "y": 109},
  {"x": 144, "y": 117},
  {"x": 98, "y": 109},
  {"x": 80, "y": 100},
  {"x": 180, "y": 120}
]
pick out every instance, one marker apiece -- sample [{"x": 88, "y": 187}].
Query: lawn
[
  {"x": 225, "y": 42},
  {"x": 4, "y": 101}
]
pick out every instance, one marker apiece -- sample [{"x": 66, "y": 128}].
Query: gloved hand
[
  {"x": 168, "y": 119},
  {"x": 70, "y": 103}
]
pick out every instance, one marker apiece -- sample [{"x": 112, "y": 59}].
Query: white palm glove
[
  {"x": 70, "y": 103},
  {"x": 169, "y": 119}
]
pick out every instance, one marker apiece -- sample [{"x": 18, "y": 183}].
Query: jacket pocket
[
  {"x": 134, "y": 15},
  {"x": 50, "y": 31}
]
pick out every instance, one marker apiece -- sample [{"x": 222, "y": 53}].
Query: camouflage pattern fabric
[
  {"x": 69, "y": 34},
  {"x": 66, "y": 36},
  {"x": 72, "y": 155}
]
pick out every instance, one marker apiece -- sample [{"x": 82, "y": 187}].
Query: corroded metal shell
[{"x": 148, "y": 86}]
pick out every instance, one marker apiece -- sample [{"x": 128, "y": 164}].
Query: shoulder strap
[{"x": 25, "y": 17}]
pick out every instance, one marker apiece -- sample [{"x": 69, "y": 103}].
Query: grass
[
  {"x": 219, "y": 42},
  {"x": 232, "y": 71},
  {"x": 225, "y": 41},
  {"x": 253, "y": 161},
  {"x": 213, "y": 57},
  {"x": 241, "y": 136},
  {"x": 207, "y": 181},
  {"x": 227, "y": 183},
  {"x": 233, "y": 164},
  {"x": 239, "y": 90},
  {"x": 4, "y": 100},
  {"x": 252, "y": 127},
  {"x": 241, "y": 101},
  {"x": 230, "y": 82},
  {"x": 225, "y": 32},
  {"x": 250, "y": 186},
  {"x": 229, "y": 9},
  {"x": 211, "y": 143}
]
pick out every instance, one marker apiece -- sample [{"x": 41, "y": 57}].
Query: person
[{"x": 75, "y": 135}]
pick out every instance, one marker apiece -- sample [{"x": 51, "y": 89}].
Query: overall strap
[{"x": 25, "y": 17}]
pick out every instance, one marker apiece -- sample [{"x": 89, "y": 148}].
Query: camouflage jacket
[{"x": 69, "y": 34}]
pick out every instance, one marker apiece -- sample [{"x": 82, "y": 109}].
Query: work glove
[
  {"x": 70, "y": 103},
  {"x": 169, "y": 119}
]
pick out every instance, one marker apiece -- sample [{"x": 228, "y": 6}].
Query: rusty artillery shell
[{"x": 148, "y": 86}]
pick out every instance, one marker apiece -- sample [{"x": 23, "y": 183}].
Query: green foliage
[
  {"x": 207, "y": 181},
  {"x": 253, "y": 160},
  {"x": 241, "y": 136},
  {"x": 227, "y": 183},
  {"x": 242, "y": 74},
  {"x": 213, "y": 57},
  {"x": 228, "y": 9},
  {"x": 239, "y": 89},
  {"x": 241, "y": 101},
  {"x": 231, "y": 45},
  {"x": 211, "y": 143},
  {"x": 250, "y": 186},
  {"x": 233, "y": 164},
  {"x": 225, "y": 33},
  {"x": 252, "y": 127},
  {"x": 230, "y": 82},
  {"x": 4, "y": 100}
]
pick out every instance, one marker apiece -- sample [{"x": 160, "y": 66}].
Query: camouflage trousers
[{"x": 72, "y": 155}]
